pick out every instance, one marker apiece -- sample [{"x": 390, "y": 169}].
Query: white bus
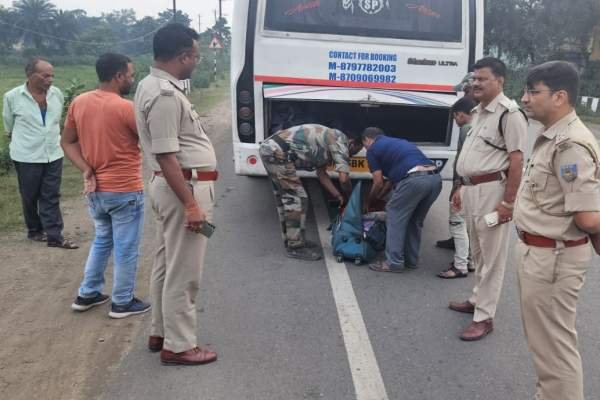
[{"x": 350, "y": 64}]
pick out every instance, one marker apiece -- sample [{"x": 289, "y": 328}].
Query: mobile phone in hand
[
  {"x": 491, "y": 219},
  {"x": 207, "y": 229}
]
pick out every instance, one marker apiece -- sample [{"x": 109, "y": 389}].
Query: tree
[
  {"x": 120, "y": 22},
  {"x": 530, "y": 31},
  {"x": 65, "y": 26},
  {"x": 167, "y": 16},
  {"x": 36, "y": 14},
  {"x": 143, "y": 29},
  {"x": 7, "y": 34},
  {"x": 97, "y": 40}
]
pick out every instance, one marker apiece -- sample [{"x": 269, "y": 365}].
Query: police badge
[{"x": 568, "y": 172}]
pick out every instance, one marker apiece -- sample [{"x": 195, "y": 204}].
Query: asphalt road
[{"x": 282, "y": 332}]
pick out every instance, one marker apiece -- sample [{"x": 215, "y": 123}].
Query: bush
[
  {"x": 201, "y": 80},
  {"x": 5, "y": 161},
  {"x": 70, "y": 92}
]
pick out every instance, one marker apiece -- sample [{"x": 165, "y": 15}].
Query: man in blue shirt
[
  {"x": 415, "y": 185},
  {"x": 31, "y": 114}
]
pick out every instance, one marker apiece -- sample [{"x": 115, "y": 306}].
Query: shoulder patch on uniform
[
  {"x": 568, "y": 172},
  {"x": 166, "y": 89}
]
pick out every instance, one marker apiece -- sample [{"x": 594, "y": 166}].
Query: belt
[
  {"x": 417, "y": 173},
  {"x": 542, "y": 241},
  {"x": 200, "y": 175},
  {"x": 476, "y": 180}
]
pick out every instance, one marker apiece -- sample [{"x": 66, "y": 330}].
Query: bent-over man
[
  {"x": 415, "y": 184},
  {"x": 306, "y": 147}
]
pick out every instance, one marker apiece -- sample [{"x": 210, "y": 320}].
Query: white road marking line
[{"x": 368, "y": 382}]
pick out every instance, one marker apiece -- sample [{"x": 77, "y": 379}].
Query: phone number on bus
[
  {"x": 362, "y": 67},
  {"x": 362, "y": 78}
]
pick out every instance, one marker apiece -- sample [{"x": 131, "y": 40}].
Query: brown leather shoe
[
  {"x": 155, "y": 343},
  {"x": 462, "y": 306},
  {"x": 477, "y": 330},
  {"x": 195, "y": 356}
]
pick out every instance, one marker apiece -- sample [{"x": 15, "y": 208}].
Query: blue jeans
[
  {"x": 405, "y": 212},
  {"x": 118, "y": 219}
]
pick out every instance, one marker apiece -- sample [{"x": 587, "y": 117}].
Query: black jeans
[{"x": 39, "y": 185}]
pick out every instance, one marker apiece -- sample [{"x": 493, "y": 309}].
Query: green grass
[
  {"x": 206, "y": 99},
  {"x": 11, "y": 217}
]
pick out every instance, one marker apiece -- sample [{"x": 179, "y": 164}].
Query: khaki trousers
[
  {"x": 489, "y": 246},
  {"x": 549, "y": 286},
  {"x": 178, "y": 264}
]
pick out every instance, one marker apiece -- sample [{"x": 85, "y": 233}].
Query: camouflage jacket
[{"x": 316, "y": 145}]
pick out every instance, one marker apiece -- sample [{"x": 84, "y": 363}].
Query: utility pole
[
  {"x": 220, "y": 10},
  {"x": 215, "y": 11},
  {"x": 199, "y": 23},
  {"x": 174, "y": 10}
]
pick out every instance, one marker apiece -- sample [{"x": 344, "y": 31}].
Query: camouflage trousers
[{"x": 290, "y": 197}]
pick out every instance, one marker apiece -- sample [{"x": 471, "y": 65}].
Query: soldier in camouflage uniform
[{"x": 306, "y": 147}]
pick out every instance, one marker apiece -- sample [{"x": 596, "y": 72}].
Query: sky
[{"x": 148, "y": 7}]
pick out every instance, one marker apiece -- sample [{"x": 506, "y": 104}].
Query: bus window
[{"x": 431, "y": 20}]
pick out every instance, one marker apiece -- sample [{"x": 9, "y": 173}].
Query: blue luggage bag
[{"x": 348, "y": 239}]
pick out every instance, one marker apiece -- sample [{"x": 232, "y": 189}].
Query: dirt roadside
[{"x": 49, "y": 352}]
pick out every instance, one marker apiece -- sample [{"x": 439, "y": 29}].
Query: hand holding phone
[
  {"x": 491, "y": 219},
  {"x": 207, "y": 229}
]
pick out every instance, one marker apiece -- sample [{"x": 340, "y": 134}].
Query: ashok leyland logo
[{"x": 370, "y": 7}]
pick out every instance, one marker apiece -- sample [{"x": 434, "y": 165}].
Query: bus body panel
[{"x": 344, "y": 61}]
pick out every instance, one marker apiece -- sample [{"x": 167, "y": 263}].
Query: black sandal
[
  {"x": 65, "y": 244},
  {"x": 457, "y": 273},
  {"x": 38, "y": 237}
]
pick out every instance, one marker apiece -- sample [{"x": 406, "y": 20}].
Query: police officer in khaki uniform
[
  {"x": 558, "y": 205},
  {"x": 490, "y": 166},
  {"x": 181, "y": 193}
]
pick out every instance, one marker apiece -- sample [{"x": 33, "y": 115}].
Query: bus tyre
[
  {"x": 339, "y": 258},
  {"x": 357, "y": 261}
]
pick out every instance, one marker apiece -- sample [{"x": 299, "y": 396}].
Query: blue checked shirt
[{"x": 33, "y": 140}]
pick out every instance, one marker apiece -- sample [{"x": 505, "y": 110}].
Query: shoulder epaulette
[
  {"x": 510, "y": 105},
  {"x": 511, "y": 108},
  {"x": 166, "y": 88},
  {"x": 562, "y": 142}
]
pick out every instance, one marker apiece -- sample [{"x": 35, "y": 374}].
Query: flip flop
[
  {"x": 384, "y": 267},
  {"x": 456, "y": 273}
]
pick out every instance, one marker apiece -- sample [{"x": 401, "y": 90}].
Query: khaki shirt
[
  {"x": 478, "y": 157},
  {"x": 561, "y": 178},
  {"x": 168, "y": 123}
]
